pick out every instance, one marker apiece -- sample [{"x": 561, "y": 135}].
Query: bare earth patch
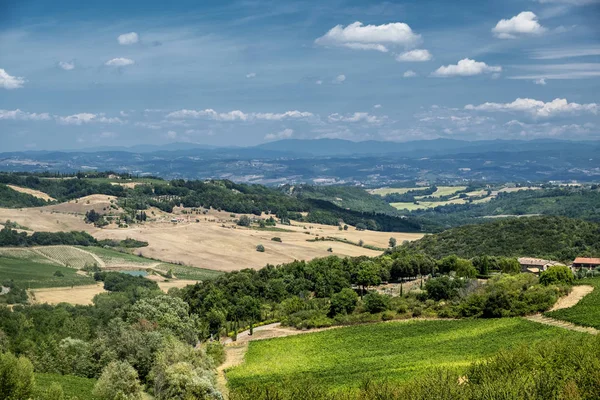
[
  {"x": 76, "y": 295},
  {"x": 578, "y": 293},
  {"x": 33, "y": 192}
]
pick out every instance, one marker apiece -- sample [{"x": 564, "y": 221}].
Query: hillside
[{"x": 557, "y": 238}]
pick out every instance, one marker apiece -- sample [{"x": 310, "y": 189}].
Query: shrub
[
  {"x": 16, "y": 377},
  {"x": 244, "y": 221},
  {"x": 343, "y": 302},
  {"x": 260, "y": 248},
  {"x": 443, "y": 288},
  {"x": 59, "y": 274},
  {"x": 119, "y": 381},
  {"x": 556, "y": 274},
  {"x": 375, "y": 302},
  {"x": 276, "y": 239}
]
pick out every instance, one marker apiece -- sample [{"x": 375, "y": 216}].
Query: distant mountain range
[
  {"x": 337, "y": 147},
  {"x": 327, "y": 161}
]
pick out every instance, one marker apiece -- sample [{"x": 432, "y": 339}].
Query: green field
[
  {"x": 384, "y": 191},
  {"x": 73, "y": 386},
  {"x": 447, "y": 190},
  {"x": 396, "y": 351},
  {"x": 587, "y": 311},
  {"x": 187, "y": 272},
  {"x": 36, "y": 272},
  {"x": 113, "y": 257},
  {"x": 425, "y": 204}
]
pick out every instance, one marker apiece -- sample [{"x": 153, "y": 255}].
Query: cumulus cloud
[
  {"x": 128, "y": 38},
  {"x": 284, "y": 134},
  {"x": 10, "y": 82},
  {"x": 410, "y": 74},
  {"x": 418, "y": 55},
  {"x": 525, "y": 23},
  {"x": 466, "y": 67},
  {"x": 85, "y": 118},
  {"x": 538, "y": 108},
  {"x": 119, "y": 62},
  {"x": 370, "y": 37},
  {"x": 356, "y": 117},
  {"x": 19, "y": 115},
  {"x": 339, "y": 79},
  {"x": 540, "y": 81},
  {"x": 237, "y": 115},
  {"x": 67, "y": 65},
  {"x": 251, "y": 75}
]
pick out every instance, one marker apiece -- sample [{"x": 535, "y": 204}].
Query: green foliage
[
  {"x": 392, "y": 243},
  {"x": 587, "y": 311},
  {"x": 395, "y": 352},
  {"x": 73, "y": 387},
  {"x": 260, "y": 248},
  {"x": 119, "y": 381},
  {"x": 343, "y": 302},
  {"x": 10, "y": 237},
  {"x": 276, "y": 239},
  {"x": 10, "y": 198},
  {"x": 119, "y": 282},
  {"x": 557, "y": 274},
  {"x": 244, "y": 220},
  {"x": 375, "y": 302},
  {"x": 16, "y": 377},
  {"x": 37, "y": 272},
  {"x": 443, "y": 288},
  {"x": 555, "y": 238}
]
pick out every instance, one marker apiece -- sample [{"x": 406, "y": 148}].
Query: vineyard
[
  {"x": 29, "y": 273},
  {"x": 24, "y": 254},
  {"x": 113, "y": 258},
  {"x": 68, "y": 256}
]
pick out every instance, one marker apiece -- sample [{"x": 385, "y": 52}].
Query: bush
[
  {"x": 375, "y": 302},
  {"x": 557, "y": 274},
  {"x": 343, "y": 302},
  {"x": 16, "y": 377},
  {"x": 276, "y": 239},
  {"x": 443, "y": 288},
  {"x": 119, "y": 381},
  {"x": 244, "y": 221},
  {"x": 260, "y": 248}
]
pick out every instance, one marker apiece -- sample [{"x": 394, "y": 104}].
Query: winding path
[{"x": 578, "y": 293}]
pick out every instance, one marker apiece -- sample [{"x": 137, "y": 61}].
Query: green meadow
[{"x": 395, "y": 351}]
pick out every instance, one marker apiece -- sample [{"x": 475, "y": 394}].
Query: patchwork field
[
  {"x": 30, "y": 270},
  {"x": 214, "y": 242},
  {"x": 587, "y": 311},
  {"x": 395, "y": 351}
]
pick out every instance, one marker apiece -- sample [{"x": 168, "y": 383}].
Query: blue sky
[{"x": 108, "y": 73}]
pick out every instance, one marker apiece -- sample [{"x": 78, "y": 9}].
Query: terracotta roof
[{"x": 585, "y": 260}]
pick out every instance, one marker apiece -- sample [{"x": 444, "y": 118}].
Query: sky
[{"x": 79, "y": 74}]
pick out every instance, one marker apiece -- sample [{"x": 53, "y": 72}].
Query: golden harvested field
[
  {"x": 384, "y": 191},
  {"x": 207, "y": 244},
  {"x": 447, "y": 190},
  {"x": 32, "y": 192},
  {"x": 165, "y": 286},
  {"x": 75, "y": 295}
]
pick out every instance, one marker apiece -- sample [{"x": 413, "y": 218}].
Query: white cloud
[
  {"x": 284, "y": 134},
  {"x": 319, "y": 82},
  {"x": 418, "y": 55},
  {"x": 172, "y": 134},
  {"x": 119, "y": 62},
  {"x": 108, "y": 135},
  {"x": 560, "y": 71},
  {"x": 67, "y": 65},
  {"x": 466, "y": 67},
  {"x": 339, "y": 79},
  {"x": 356, "y": 117},
  {"x": 123, "y": 114},
  {"x": 10, "y": 82},
  {"x": 410, "y": 74},
  {"x": 524, "y": 23},
  {"x": 251, "y": 75},
  {"x": 237, "y": 115},
  {"x": 538, "y": 108},
  {"x": 128, "y": 38},
  {"x": 554, "y": 54},
  {"x": 377, "y": 106},
  {"x": 540, "y": 81},
  {"x": 85, "y": 118},
  {"x": 19, "y": 115},
  {"x": 370, "y": 37}
]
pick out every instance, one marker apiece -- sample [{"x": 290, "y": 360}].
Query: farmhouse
[
  {"x": 535, "y": 265},
  {"x": 583, "y": 262}
]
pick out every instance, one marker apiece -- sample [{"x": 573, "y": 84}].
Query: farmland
[
  {"x": 397, "y": 351},
  {"x": 68, "y": 256},
  {"x": 28, "y": 270},
  {"x": 73, "y": 386},
  {"x": 587, "y": 311}
]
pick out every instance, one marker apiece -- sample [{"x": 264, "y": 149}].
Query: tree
[
  {"x": 369, "y": 274},
  {"x": 119, "y": 381},
  {"x": 509, "y": 265},
  {"x": 392, "y": 242},
  {"x": 54, "y": 392},
  {"x": 343, "y": 302},
  {"x": 16, "y": 377},
  {"x": 244, "y": 221},
  {"x": 345, "y": 227},
  {"x": 375, "y": 302},
  {"x": 361, "y": 226},
  {"x": 556, "y": 274},
  {"x": 443, "y": 288},
  {"x": 361, "y": 243},
  {"x": 260, "y": 248}
]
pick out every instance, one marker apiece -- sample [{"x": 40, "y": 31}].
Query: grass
[
  {"x": 271, "y": 229},
  {"x": 73, "y": 386},
  {"x": 38, "y": 273},
  {"x": 396, "y": 351},
  {"x": 187, "y": 272},
  {"x": 587, "y": 311},
  {"x": 425, "y": 204},
  {"x": 384, "y": 191},
  {"x": 114, "y": 257},
  {"x": 447, "y": 190}
]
